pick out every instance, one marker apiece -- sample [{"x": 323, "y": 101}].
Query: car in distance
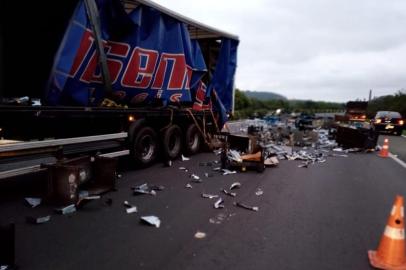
[{"x": 388, "y": 122}]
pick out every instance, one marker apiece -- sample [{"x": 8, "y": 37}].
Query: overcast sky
[{"x": 333, "y": 50}]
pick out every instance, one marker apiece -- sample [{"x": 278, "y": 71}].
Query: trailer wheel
[
  {"x": 145, "y": 146},
  {"x": 260, "y": 167},
  {"x": 172, "y": 142},
  {"x": 193, "y": 140}
]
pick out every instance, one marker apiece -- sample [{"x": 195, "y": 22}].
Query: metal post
[{"x": 94, "y": 18}]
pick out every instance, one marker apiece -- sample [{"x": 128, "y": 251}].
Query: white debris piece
[
  {"x": 33, "y": 202},
  {"x": 259, "y": 192},
  {"x": 235, "y": 185},
  {"x": 131, "y": 210},
  {"x": 219, "y": 203},
  {"x": 200, "y": 235},
  {"x": 226, "y": 172},
  {"x": 188, "y": 185},
  {"x": 152, "y": 220},
  {"x": 209, "y": 196}
]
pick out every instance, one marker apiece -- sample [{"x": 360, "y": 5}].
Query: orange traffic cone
[
  {"x": 390, "y": 254},
  {"x": 385, "y": 148}
]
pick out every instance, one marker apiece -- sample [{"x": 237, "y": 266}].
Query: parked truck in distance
[{"x": 356, "y": 110}]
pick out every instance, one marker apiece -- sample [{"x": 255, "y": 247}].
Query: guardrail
[{"x": 37, "y": 147}]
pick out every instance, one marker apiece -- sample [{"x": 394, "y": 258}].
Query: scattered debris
[
  {"x": 38, "y": 220},
  {"x": 232, "y": 194},
  {"x": 185, "y": 158},
  {"x": 219, "y": 218},
  {"x": 234, "y": 156},
  {"x": 226, "y": 172},
  {"x": 168, "y": 163},
  {"x": 219, "y": 203},
  {"x": 66, "y": 210},
  {"x": 339, "y": 155},
  {"x": 33, "y": 202},
  {"x": 130, "y": 208},
  {"x": 209, "y": 196},
  {"x": 119, "y": 176},
  {"x": 354, "y": 150},
  {"x": 200, "y": 235},
  {"x": 235, "y": 185},
  {"x": 271, "y": 161},
  {"x": 188, "y": 185},
  {"x": 143, "y": 189},
  {"x": 151, "y": 220},
  {"x": 215, "y": 169},
  {"x": 259, "y": 192},
  {"x": 208, "y": 175},
  {"x": 83, "y": 200},
  {"x": 253, "y": 208},
  {"x": 196, "y": 178},
  {"x": 183, "y": 169},
  {"x": 303, "y": 165}
]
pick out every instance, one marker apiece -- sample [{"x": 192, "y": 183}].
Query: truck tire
[
  {"x": 145, "y": 146},
  {"x": 193, "y": 140},
  {"x": 172, "y": 142},
  {"x": 260, "y": 167}
]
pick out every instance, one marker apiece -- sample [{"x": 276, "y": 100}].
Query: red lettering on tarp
[
  {"x": 114, "y": 49},
  {"x": 178, "y": 72},
  {"x": 200, "y": 98},
  {"x": 136, "y": 75},
  {"x": 141, "y": 71},
  {"x": 175, "y": 97},
  {"x": 84, "y": 48}
]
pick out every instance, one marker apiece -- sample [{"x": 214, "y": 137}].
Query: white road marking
[{"x": 395, "y": 158}]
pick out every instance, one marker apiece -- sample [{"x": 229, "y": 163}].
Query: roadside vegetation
[
  {"x": 248, "y": 107},
  {"x": 396, "y": 102}
]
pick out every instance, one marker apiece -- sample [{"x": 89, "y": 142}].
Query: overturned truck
[{"x": 126, "y": 77}]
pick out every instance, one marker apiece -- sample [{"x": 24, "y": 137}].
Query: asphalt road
[
  {"x": 324, "y": 217},
  {"x": 397, "y": 145}
]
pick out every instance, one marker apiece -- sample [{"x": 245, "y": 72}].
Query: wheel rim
[
  {"x": 147, "y": 147},
  {"x": 193, "y": 141}
]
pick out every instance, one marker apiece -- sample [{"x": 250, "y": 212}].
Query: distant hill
[{"x": 262, "y": 95}]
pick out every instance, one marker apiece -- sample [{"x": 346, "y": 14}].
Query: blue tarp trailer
[{"x": 116, "y": 66}]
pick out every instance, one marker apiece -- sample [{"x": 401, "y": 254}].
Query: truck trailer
[{"x": 110, "y": 77}]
